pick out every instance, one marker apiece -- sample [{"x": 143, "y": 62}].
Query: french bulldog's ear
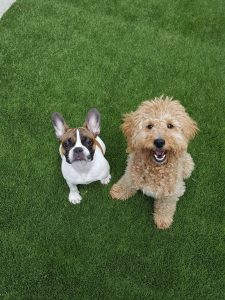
[
  {"x": 92, "y": 121},
  {"x": 58, "y": 124}
]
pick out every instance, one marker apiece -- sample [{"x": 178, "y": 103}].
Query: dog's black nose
[
  {"x": 78, "y": 150},
  {"x": 159, "y": 143}
]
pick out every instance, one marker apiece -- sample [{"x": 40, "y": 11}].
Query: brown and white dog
[{"x": 82, "y": 152}]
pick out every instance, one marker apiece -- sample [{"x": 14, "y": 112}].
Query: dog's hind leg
[
  {"x": 123, "y": 189},
  {"x": 164, "y": 210},
  {"x": 188, "y": 165}
]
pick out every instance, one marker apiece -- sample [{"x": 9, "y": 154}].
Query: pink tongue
[{"x": 159, "y": 153}]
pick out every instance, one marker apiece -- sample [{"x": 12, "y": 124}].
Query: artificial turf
[{"x": 69, "y": 56}]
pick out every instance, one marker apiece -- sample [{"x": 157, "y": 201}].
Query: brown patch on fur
[
  {"x": 71, "y": 134},
  {"x": 84, "y": 131},
  {"x": 166, "y": 119},
  {"x": 85, "y": 126}
]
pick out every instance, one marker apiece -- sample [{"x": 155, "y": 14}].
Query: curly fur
[{"x": 164, "y": 182}]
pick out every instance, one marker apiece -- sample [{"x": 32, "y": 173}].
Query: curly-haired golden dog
[{"x": 157, "y": 134}]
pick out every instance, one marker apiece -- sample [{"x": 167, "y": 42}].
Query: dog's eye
[
  {"x": 170, "y": 126},
  {"x": 90, "y": 142},
  {"x": 87, "y": 141},
  {"x": 67, "y": 143},
  {"x": 149, "y": 126}
]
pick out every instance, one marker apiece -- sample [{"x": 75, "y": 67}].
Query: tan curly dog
[{"x": 157, "y": 133}]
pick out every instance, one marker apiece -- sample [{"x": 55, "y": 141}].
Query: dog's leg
[
  {"x": 123, "y": 189},
  {"x": 188, "y": 165},
  {"x": 164, "y": 210},
  {"x": 74, "y": 196}
]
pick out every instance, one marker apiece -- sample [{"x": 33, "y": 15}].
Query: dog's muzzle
[
  {"x": 78, "y": 154},
  {"x": 159, "y": 155}
]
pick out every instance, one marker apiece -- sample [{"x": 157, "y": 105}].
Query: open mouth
[{"x": 159, "y": 155}]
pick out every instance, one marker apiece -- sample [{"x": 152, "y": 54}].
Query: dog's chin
[
  {"x": 159, "y": 156},
  {"x": 79, "y": 159}
]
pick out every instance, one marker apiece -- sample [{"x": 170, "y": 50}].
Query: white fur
[{"x": 85, "y": 172}]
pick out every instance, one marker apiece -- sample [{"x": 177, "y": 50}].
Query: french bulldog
[{"x": 82, "y": 152}]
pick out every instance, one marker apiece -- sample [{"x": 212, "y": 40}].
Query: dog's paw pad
[
  {"x": 106, "y": 180},
  {"x": 75, "y": 198}
]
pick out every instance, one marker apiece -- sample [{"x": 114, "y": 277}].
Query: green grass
[{"x": 68, "y": 56}]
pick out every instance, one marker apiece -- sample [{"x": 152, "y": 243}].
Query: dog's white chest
[{"x": 148, "y": 192}]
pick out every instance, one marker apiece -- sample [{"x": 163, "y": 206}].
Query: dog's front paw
[
  {"x": 74, "y": 198},
  {"x": 121, "y": 192},
  {"x": 106, "y": 180},
  {"x": 162, "y": 222}
]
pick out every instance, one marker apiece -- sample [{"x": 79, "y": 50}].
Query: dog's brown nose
[
  {"x": 159, "y": 143},
  {"x": 78, "y": 150}
]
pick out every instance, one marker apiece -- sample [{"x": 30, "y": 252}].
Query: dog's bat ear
[
  {"x": 92, "y": 121},
  {"x": 59, "y": 125}
]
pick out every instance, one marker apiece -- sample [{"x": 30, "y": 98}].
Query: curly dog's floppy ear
[
  {"x": 190, "y": 127},
  {"x": 128, "y": 127},
  {"x": 128, "y": 124}
]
